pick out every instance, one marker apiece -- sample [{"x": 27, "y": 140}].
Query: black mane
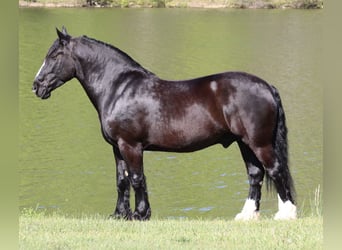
[{"x": 118, "y": 51}]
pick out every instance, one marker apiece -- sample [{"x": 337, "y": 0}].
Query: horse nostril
[{"x": 34, "y": 87}]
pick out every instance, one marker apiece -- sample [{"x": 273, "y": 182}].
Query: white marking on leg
[
  {"x": 126, "y": 173},
  {"x": 213, "y": 86},
  {"x": 287, "y": 210},
  {"x": 248, "y": 212},
  {"x": 40, "y": 69}
]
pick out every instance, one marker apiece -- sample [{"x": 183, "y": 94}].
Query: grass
[{"x": 40, "y": 231}]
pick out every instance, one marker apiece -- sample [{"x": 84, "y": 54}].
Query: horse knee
[
  {"x": 122, "y": 183},
  {"x": 138, "y": 181}
]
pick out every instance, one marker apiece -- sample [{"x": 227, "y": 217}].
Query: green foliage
[
  {"x": 270, "y": 4},
  {"x": 304, "y": 4},
  {"x": 158, "y": 3},
  {"x": 124, "y": 3},
  {"x": 98, "y": 2},
  {"x": 310, "y": 4}
]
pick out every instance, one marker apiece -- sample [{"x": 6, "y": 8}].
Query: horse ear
[
  {"x": 63, "y": 36},
  {"x": 64, "y": 31}
]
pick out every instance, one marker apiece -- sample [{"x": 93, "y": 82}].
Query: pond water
[{"x": 65, "y": 164}]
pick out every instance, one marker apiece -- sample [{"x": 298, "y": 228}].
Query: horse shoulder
[{"x": 131, "y": 115}]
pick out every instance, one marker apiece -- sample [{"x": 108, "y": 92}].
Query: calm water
[{"x": 67, "y": 166}]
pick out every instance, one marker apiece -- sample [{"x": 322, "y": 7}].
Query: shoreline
[{"x": 179, "y": 4}]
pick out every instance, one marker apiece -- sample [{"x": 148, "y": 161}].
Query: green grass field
[{"x": 39, "y": 231}]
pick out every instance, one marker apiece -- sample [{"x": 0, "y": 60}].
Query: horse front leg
[
  {"x": 122, "y": 209},
  {"x": 133, "y": 156}
]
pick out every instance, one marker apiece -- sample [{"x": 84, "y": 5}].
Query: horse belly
[{"x": 194, "y": 130}]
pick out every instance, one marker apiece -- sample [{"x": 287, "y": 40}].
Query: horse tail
[{"x": 280, "y": 145}]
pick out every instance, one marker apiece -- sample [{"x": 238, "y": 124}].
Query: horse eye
[{"x": 54, "y": 56}]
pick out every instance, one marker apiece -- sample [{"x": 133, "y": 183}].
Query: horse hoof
[
  {"x": 137, "y": 216},
  {"x": 247, "y": 216},
  {"x": 285, "y": 215},
  {"x": 121, "y": 216},
  {"x": 280, "y": 216}
]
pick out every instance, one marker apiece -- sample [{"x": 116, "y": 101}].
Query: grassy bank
[
  {"x": 38, "y": 231},
  {"x": 257, "y": 4}
]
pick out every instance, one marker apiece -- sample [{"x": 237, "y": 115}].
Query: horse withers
[{"x": 138, "y": 111}]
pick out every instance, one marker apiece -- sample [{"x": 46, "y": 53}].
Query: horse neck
[{"x": 100, "y": 69}]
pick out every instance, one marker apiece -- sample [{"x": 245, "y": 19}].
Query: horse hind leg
[
  {"x": 277, "y": 170},
  {"x": 283, "y": 183},
  {"x": 256, "y": 174}
]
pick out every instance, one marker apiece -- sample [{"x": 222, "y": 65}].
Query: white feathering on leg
[
  {"x": 287, "y": 210},
  {"x": 248, "y": 212}
]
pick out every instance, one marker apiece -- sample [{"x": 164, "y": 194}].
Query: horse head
[{"x": 57, "y": 68}]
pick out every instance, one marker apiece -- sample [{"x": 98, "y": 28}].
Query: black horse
[{"x": 139, "y": 111}]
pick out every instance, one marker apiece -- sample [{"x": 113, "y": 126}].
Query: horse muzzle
[{"x": 40, "y": 90}]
